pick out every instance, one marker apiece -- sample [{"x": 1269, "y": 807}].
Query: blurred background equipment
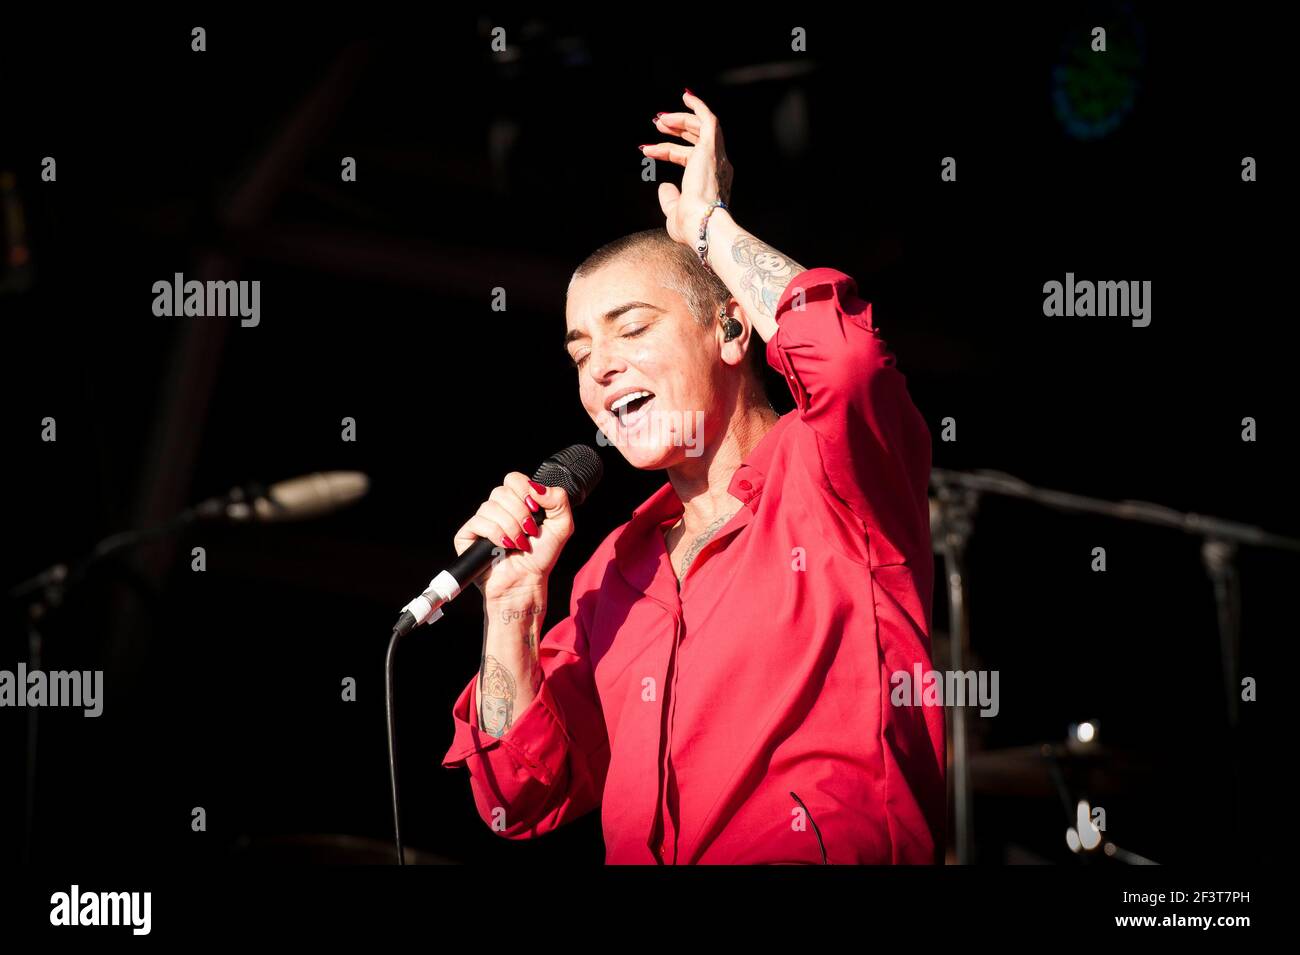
[
  {"x": 1025, "y": 770},
  {"x": 15, "y": 253},
  {"x": 295, "y": 499}
]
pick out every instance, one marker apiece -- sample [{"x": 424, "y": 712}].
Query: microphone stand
[
  {"x": 48, "y": 590},
  {"x": 957, "y": 506},
  {"x": 44, "y": 593},
  {"x": 1218, "y": 549}
]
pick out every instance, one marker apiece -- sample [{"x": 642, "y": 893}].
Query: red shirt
[{"x": 691, "y": 717}]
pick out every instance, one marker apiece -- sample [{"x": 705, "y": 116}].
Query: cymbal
[{"x": 1026, "y": 770}]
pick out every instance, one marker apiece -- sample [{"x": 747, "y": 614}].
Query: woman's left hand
[{"x": 708, "y": 171}]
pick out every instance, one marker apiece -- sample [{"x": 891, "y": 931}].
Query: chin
[
  {"x": 649, "y": 444},
  {"x": 651, "y": 459},
  {"x": 642, "y": 455}
]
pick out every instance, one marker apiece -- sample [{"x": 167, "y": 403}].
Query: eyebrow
[{"x": 608, "y": 317}]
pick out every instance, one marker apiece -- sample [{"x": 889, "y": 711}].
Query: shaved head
[{"x": 676, "y": 266}]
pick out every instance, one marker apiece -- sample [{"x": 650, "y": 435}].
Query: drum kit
[{"x": 1078, "y": 766}]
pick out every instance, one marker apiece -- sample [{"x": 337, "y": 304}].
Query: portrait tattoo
[
  {"x": 497, "y": 697},
  {"x": 767, "y": 272}
]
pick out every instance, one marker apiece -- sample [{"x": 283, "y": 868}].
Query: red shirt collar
[
  {"x": 746, "y": 482},
  {"x": 640, "y": 550}
]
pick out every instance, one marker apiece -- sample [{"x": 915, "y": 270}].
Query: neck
[{"x": 702, "y": 482}]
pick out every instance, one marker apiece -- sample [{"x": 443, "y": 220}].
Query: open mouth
[{"x": 631, "y": 408}]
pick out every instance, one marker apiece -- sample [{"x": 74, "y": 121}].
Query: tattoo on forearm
[
  {"x": 509, "y": 615},
  {"x": 767, "y": 272},
  {"x": 497, "y": 697},
  {"x": 697, "y": 545}
]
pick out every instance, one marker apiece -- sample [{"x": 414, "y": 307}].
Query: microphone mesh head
[{"x": 577, "y": 469}]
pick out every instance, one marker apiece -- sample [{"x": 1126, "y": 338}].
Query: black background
[{"x": 224, "y": 687}]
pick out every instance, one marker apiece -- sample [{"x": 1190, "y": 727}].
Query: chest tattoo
[{"x": 697, "y": 545}]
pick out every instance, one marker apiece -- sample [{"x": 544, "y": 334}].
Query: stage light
[{"x": 1084, "y": 734}]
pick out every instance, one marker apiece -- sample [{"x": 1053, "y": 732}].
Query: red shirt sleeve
[
  {"x": 550, "y": 766},
  {"x": 874, "y": 445}
]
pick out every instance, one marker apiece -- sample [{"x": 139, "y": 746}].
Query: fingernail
[
  {"x": 523, "y": 544},
  {"x": 508, "y": 543},
  {"x": 643, "y": 146},
  {"x": 687, "y": 90},
  {"x": 530, "y": 526},
  {"x": 540, "y": 489},
  {"x": 657, "y": 115},
  {"x": 531, "y": 504}
]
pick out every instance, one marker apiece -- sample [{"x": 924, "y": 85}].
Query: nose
[{"x": 603, "y": 361}]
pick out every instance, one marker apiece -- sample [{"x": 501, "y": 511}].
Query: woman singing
[{"x": 721, "y": 685}]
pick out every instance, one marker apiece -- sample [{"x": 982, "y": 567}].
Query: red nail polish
[
  {"x": 523, "y": 544},
  {"x": 531, "y": 504},
  {"x": 539, "y": 488},
  {"x": 657, "y": 115},
  {"x": 688, "y": 90},
  {"x": 530, "y": 526},
  {"x": 509, "y": 544},
  {"x": 643, "y": 146}
]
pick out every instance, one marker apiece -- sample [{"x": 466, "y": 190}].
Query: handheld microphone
[{"x": 577, "y": 469}]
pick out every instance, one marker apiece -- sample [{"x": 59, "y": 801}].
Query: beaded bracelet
[{"x": 702, "y": 248}]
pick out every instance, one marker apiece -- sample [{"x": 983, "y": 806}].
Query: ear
[{"x": 733, "y": 352}]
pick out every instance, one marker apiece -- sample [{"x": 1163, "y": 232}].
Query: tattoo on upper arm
[
  {"x": 767, "y": 272},
  {"x": 497, "y": 696}
]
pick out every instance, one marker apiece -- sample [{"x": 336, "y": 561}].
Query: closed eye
[{"x": 579, "y": 362}]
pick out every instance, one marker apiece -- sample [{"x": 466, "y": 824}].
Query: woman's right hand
[{"x": 525, "y": 552}]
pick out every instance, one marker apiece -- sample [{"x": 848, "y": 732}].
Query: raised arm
[
  {"x": 873, "y": 446},
  {"x": 755, "y": 273}
]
